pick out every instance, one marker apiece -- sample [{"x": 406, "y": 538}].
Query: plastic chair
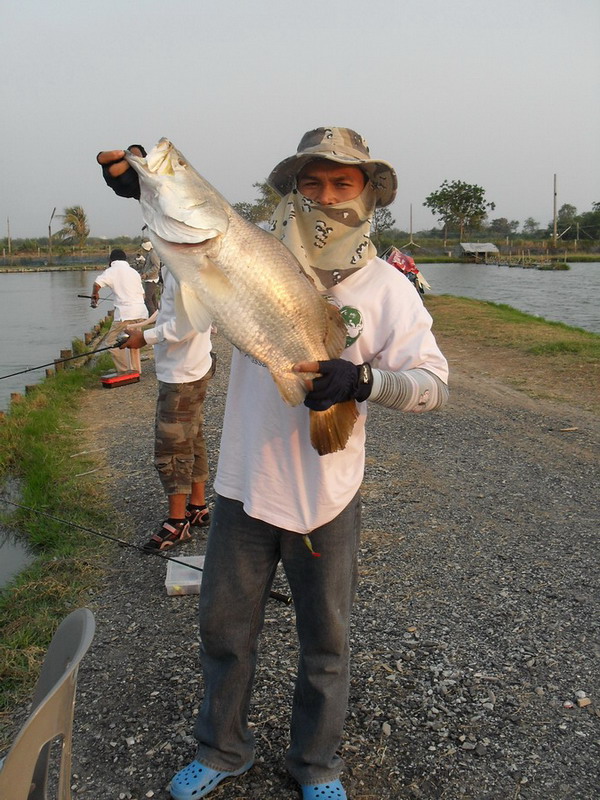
[{"x": 24, "y": 772}]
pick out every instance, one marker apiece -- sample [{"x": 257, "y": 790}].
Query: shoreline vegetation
[
  {"x": 44, "y": 466},
  {"x": 558, "y": 260}
]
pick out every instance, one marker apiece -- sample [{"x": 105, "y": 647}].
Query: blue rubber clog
[
  {"x": 196, "y": 780},
  {"x": 323, "y": 791}
]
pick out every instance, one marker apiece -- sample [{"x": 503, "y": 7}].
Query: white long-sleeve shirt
[{"x": 181, "y": 354}]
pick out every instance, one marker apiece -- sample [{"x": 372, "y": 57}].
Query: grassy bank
[
  {"x": 544, "y": 359},
  {"x": 500, "y": 324},
  {"x": 42, "y": 466}
]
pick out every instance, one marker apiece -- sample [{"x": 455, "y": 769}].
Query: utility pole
[
  {"x": 50, "y": 236},
  {"x": 8, "y": 237},
  {"x": 411, "y": 242},
  {"x": 554, "y": 229}
]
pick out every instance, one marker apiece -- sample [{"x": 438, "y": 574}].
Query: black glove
[
  {"x": 127, "y": 184},
  {"x": 340, "y": 380}
]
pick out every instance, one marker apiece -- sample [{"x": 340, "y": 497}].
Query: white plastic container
[{"x": 183, "y": 579}]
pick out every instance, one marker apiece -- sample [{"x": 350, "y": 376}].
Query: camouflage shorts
[{"x": 180, "y": 454}]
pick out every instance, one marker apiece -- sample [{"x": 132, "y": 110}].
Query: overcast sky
[{"x": 501, "y": 94}]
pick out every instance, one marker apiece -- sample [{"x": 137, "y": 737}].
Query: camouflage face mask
[{"x": 330, "y": 242}]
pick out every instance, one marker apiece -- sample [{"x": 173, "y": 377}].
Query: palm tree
[{"x": 75, "y": 226}]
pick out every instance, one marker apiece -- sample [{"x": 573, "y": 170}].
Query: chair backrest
[{"x": 24, "y": 773}]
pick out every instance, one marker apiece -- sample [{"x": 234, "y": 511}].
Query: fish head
[{"x": 178, "y": 204}]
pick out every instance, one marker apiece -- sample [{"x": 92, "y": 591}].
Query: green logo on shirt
[
  {"x": 352, "y": 317},
  {"x": 354, "y": 323}
]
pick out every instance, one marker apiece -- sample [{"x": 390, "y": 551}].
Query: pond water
[
  {"x": 570, "y": 296},
  {"x": 14, "y": 555},
  {"x": 40, "y": 315}
]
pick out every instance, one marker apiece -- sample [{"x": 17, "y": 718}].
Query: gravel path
[{"x": 476, "y": 632}]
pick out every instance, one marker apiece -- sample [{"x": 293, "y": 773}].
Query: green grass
[
  {"x": 544, "y": 358},
  {"x": 586, "y": 348},
  {"x": 41, "y": 467},
  {"x": 498, "y": 323}
]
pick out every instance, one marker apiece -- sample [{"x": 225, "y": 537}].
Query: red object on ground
[{"x": 112, "y": 380}]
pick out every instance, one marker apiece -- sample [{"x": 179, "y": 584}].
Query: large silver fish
[{"x": 242, "y": 278}]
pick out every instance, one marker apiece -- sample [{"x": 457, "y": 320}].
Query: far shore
[
  {"x": 99, "y": 261},
  {"x": 56, "y": 268}
]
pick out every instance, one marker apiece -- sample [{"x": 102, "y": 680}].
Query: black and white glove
[
  {"x": 339, "y": 380},
  {"x": 127, "y": 184}
]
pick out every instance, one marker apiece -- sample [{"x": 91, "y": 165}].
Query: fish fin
[
  {"x": 335, "y": 337},
  {"x": 193, "y": 307},
  {"x": 291, "y": 387},
  {"x": 331, "y": 429},
  {"x": 216, "y": 285}
]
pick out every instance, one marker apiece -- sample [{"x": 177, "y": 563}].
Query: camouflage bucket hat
[{"x": 344, "y": 146}]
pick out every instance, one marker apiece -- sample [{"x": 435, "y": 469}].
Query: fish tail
[
  {"x": 291, "y": 387},
  {"x": 331, "y": 429}
]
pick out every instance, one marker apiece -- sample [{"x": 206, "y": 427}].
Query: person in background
[
  {"x": 184, "y": 367},
  {"x": 150, "y": 274},
  {"x": 128, "y": 300},
  {"x": 273, "y": 489}
]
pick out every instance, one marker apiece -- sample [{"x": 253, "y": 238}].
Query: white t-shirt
[
  {"x": 127, "y": 288},
  {"x": 266, "y": 459},
  {"x": 181, "y": 354}
]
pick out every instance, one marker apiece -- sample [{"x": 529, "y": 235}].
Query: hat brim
[{"x": 381, "y": 174}]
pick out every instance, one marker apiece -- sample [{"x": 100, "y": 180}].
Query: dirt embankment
[{"x": 475, "y": 642}]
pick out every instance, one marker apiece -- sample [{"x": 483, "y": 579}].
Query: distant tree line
[{"x": 461, "y": 208}]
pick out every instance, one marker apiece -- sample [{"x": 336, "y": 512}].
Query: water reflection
[{"x": 15, "y": 556}]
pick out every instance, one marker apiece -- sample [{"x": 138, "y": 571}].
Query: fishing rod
[
  {"x": 157, "y": 553},
  {"x": 121, "y": 339},
  {"x": 91, "y": 297}
]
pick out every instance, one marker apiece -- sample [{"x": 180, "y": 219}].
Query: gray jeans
[{"x": 241, "y": 559}]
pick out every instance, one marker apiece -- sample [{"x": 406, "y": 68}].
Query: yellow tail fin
[{"x": 331, "y": 429}]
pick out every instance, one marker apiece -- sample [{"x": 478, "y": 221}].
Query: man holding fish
[{"x": 319, "y": 325}]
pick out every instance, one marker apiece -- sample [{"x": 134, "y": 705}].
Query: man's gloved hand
[
  {"x": 121, "y": 178},
  {"x": 339, "y": 380}
]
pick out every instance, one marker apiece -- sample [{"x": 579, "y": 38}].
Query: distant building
[{"x": 479, "y": 251}]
